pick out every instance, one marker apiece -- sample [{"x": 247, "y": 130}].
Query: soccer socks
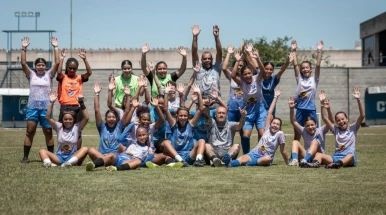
[
  {"x": 178, "y": 158},
  {"x": 235, "y": 163},
  {"x": 199, "y": 157},
  {"x": 26, "y": 151},
  {"x": 122, "y": 167},
  {"x": 73, "y": 160},
  {"x": 308, "y": 157},
  {"x": 99, "y": 162},
  {"x": 47, "y": 161},
  {"x": 254, "y": 162},
  {"x": 340, "y": 162},
  {"x": 294, "y": 155},
  {"x": 50, "y": 148},
  {"x": 246, "y": 144}
]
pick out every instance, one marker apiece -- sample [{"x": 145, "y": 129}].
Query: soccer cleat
[
  {"x": 217, "y": 162},
  {"x": 227, "y": 160},
  {"x": 111, "y": 168},
  {"x": 151, "y": 165},
  {"x": 294, "y": 162},
  {"x": 25, "y": 160},
  {"x": 333, "y": 166},
  {"x": 66, "y": 164},
  {"x": 184, "y": 164},
  {"x": 303, "y": 164},
  {"x": 90, "y": 166},
  {"x": 46, "y": 165},
  {"x": 175, "y": 165},
  {"x": 53, "y": 165},
  {"x": 198, "y": 163},
  {"x": 315, "y": 164}
]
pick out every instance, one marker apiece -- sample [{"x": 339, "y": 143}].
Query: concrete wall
[{"x": 338, "y": 83}]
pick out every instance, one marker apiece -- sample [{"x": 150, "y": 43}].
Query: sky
[{"x": 167, "y": 23}]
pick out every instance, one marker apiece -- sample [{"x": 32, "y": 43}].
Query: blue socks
[
  {"x": 254, "y": 162},
  {"x": 294, "y": 156},
  {"x": 235, "y": 163},
  {"x": 308, "y": 157},
  {"x": 246, "y": 144}
]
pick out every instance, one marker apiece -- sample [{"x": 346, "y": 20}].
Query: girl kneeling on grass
[
  {"x": 131, "y": 158},
  {"x": 314, "y": 137},
  {"x": 68, "y": 131},
  {"x": 345, "y": 138},
  {"x": 263, "y": 153}
]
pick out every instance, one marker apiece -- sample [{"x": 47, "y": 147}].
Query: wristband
[
  {"x": 276, "y": 97},
  {"x": 52, "y": 102},
  {"x": 62, "y": 58},
  {"x": 319, "y": 50},
  {"x": 143, "y": 54},
  {"x": 358, "y": 99},
  {"x": 97, "y": 94},
  {"x": 81, "y": 103},
  {"x": 56, "y": 48},
  {"x": 24, "y": 49},
  {"x": 292, "y": 108}
]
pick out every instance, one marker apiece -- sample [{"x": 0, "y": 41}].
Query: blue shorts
[
  {"x": 337, "y": 156},
  {"x": 258, "y": 120},
  {"x": 122, "y": 158},
  {"x": 255, "y": 156},
  {"x": 185, "y": 155},
  {"x": 64, "y": 158},
  {"x": 234, "y": 115},
  {"x": 38, "y": 116},
  {"x": 302, "y": 114},
  {"x": 235, "y": 104}
]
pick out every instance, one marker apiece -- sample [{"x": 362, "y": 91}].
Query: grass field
[{"x": 279, "y": 189}]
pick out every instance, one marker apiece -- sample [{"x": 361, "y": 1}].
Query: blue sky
[{"x": 129, "y": 24}]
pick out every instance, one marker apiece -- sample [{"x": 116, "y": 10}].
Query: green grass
[{"x": 279, "y": 189}]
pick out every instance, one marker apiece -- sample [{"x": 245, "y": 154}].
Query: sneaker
[
  {"x": 53, "y": 165},
  {"x": 46, "y": 165},
  {"x": 184, "y": 164},
  {"x": 111, "y": 168},
  {"x": 25, "y": 160},
  {"x": 218, "y": 163},
  {"x": 227, "y": 160},
  {"x": 294, "y": 162},
  {"x": 151, "y": 165},
  {"x": 303, "y": 163},
  {"x": 315, "y": 164},
  {"x": 198, "y": 163},
  {"x": 66, "y": 164},
  {"x": 333, "y": 166},
  {"x": 175, "y": 165},
  {"x": 90, "y": 166}
]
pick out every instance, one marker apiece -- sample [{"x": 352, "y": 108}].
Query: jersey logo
[
  {"x": 262, "y": 150},
  {"x": 342, "y": 147},
  {"x": 66, "y": 149},
  {"x": 71, "y": 93},
  {"x": 348, "y": 133},
  {"x": 303, "y": 95}
]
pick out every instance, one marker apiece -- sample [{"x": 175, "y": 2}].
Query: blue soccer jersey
[
  {"x": 109, "y": 137},
  {"x": 181, "y": 138}
]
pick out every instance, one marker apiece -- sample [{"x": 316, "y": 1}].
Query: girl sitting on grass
[{"x": 68, "y": 131}]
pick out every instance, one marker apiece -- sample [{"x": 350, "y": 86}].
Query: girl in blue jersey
[
  {"x": 253, "y": 99},
  {"x": 263, "y": 153},
  {"x": 306, "y": 89},
  {"x": 68, "y": 131},
  {"x": 135, "y": 152},
  {"x": 345, "y": 137},
  {"x": 109, "y": 131}
]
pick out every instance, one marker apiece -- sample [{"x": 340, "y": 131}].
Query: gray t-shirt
[
  {"x": 320, "y": 136},
  {"x": 222, "y": 137},
  {"x": 345, "y": 139},
  {"x": 67, "y": 138},
  {"x": 208, "y": 80},
  {"x": 269, "y": 142}
]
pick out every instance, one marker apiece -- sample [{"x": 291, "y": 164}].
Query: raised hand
[
  {"x": 249, "y": 47},
  {"x": 151, "y": 67},
  {"x": 291, "y": 102},
  {"x": 53, "y": 95},
  {"x": 326, "y": 103},
  {"x": 180, "y": 88},
  {"x": 145, "y": 48},
  {"x": 97, "y": 87},
  {"x": 242, "y": 44},
  {"x": 111, "y": 84},
  {"x": 294, "y": 45},
  {"x": 237, "y": 55},
  {"x": 135, "y": 103},
  {"x": 25, "y": 42},
  {"x": 255, "y": 53},
  {"x": 63, "y": 53},
  {"x": 230, "y": 49},
  {"x": 168, "y": 88},
  {"x": 195, "y": 30},
  {"x": 82, "y": 53},
  {"x": 195, "y": 88},
  {"x": 141, "y": 82},
  {"x": 154, "y": 101},
  {"x": 320, "y": 45},
  {"x": 194, "y": 97},
  {"x": 80, "y": 96},
  {"x": 214, "y": 94},
  {"x": 356, "y": 93},
  {"x": 277, "y": 91},
  {"x": 182, "y": 51},
  {"x": 197, "y": 67},
  {"x": 243, "y": 111},
  {"x": 127, "y": 89},
  {"x": 54, "y": 41},
  {"x": 322, "y": 96},
  {"x": 216, "y": 30}
]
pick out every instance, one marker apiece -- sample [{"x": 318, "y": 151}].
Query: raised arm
[
  {"x": 85, "y": 118},
  {"x": 235, "y": 67},
  {"x": 255, "y": 54},
  {"x": 292, "y": 105},
  {"x": 357, "y": 95},
  {"x": 217, "y": 98},
  {"x": 241, "y": 123},
  {"x": 182, "y": 69},
  {"x": 53, "y": 97},
  {"x": 195, "y": 31},
  {"x": 145, "y": 69},
  {"x": 82, "y": 54},
  {"x": 216, "y": 34},
  {"x": 225, "y": 70},
  {"x": 272, "y": 107},
  {"x": 60, "y": 66},
  {"x": 171, "y": 120},
  {"x": 98, "y": 116},
  {"x": 294, "y": 45},
  {"x": 319, "y": 58},
  {"x": 196, "y": 117},
  {"x": 110, "y": 94},
  {"x": 322, "y": 97},
  {"x": 194, "y": 99},
  {"x": 161, "y": 119},
  {"x": 324, "y": 104},
  {"x": 146, "y": 91},
  {"x": 250, "y": 57},
  {"x": 290, "y": 58},
  {"x": 24, "y": 45},
  {"x": 151, "y": 68},
  {"x": 54, "y": 68},
  {"x": 181, "y": 91},
  {"x": 130, "y": 111}
]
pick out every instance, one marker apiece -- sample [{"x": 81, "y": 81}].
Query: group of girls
[{"x": 162, "y": 129}]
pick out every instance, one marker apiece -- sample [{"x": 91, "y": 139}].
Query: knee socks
[{"x": 246, "y": 144}]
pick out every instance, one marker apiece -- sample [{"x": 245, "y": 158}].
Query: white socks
[
  {"x": 178, "y": 158},
  {"x": 73, "y": 160},
  {"x": 47, "y": 161},
  {"x": 199, "y": 157}
]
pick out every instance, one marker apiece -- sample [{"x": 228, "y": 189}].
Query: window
[{"x": 368, "y": 51}]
